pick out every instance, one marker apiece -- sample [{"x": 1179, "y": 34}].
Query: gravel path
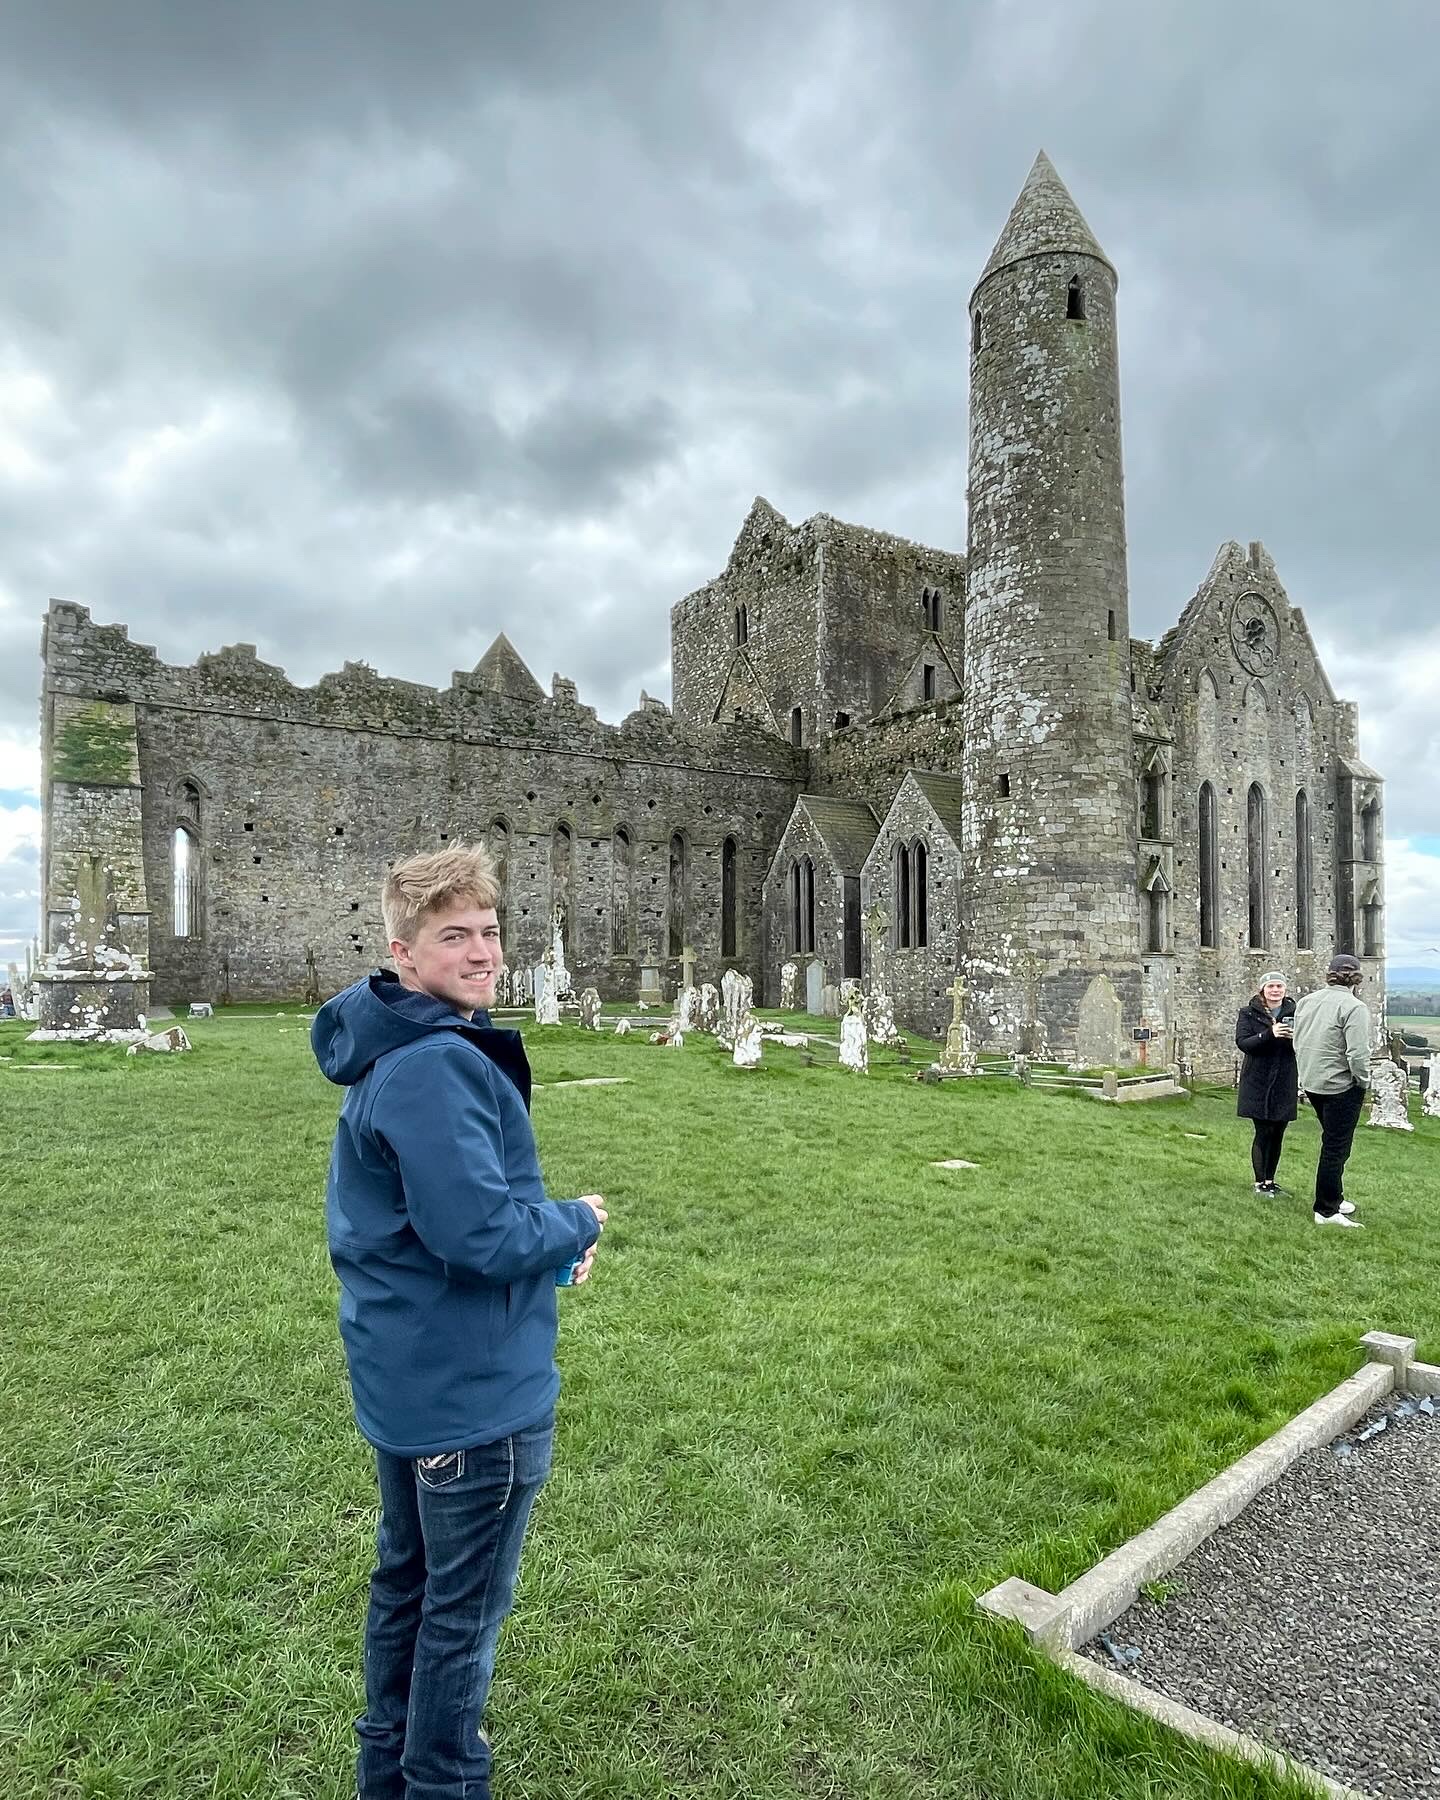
[{"x": 1312, "y": 1622}]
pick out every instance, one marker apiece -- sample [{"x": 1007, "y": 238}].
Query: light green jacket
[{"x": 1332, "y": 1040}]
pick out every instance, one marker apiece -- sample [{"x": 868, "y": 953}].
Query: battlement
[{"x": 86, "y": 660}]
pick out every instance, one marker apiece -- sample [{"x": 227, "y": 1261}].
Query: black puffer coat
[{"x": 1269, "y": 1086}]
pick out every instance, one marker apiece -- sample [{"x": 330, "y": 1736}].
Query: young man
[
  {"x": 447, "y": 1250},
  {"x": 1332, "y": 1054}
]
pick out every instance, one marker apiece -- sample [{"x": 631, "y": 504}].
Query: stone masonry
[{"x": 918, "y": 763}]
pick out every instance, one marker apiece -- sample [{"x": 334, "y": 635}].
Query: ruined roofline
[
  {"x": 100, "y": 661},
  {"x": 351, "y": 676},
  {"x": 817, "y": 529}
]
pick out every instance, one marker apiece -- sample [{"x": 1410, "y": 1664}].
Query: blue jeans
[{"x": 451, "y": 1528}]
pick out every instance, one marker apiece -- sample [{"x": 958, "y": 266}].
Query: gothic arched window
[
  {"x": 807, "y": 905},
  {"x": 902, "y": 897},
  {"x": 622, "y": 881},
  {"x": 728, "y": 932},
  {"x": 1256, "y": 858},
  {"x": 678, "y": 893},
  {"x": 919, "y": 877},
  {"x": 185, "y": 894},
  {"x": 499, "y": 842},
  {"x": 1304, "y": 875},
  {"x": 1209, "y": 848}
]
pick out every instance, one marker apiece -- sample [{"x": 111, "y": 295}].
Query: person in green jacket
[{"x": 1332, "y": 1054}]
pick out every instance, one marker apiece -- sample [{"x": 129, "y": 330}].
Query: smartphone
[{"x": 566, "y": 1277}]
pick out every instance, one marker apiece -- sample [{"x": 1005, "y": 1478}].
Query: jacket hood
[{"x": 354, "y": 1030}]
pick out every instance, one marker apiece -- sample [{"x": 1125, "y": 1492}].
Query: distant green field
[{"x": 1426, "y": 1028}]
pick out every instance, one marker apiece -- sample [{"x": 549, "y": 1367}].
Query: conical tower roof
[
  {"x": 503, "y": 671},
  {"x": 1044, "y": 221}
]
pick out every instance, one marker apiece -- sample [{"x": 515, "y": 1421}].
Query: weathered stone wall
[
  {"x": 874, "y": 634},
  {"x": 307, "y": 794},
  {"x": 916, "y": 976},
  {"x": 869, "y": 762},
  {"x": 800, "y": 839},
  {"x": 836, "y": 624},
  {"x": 1049, "y": 832},
  {"x": 1281, "y": 729}
]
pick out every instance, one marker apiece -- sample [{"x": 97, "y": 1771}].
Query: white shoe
[
  {"x": 1339, "y": 1218},
  {"x": 1347, "y": 1207}
]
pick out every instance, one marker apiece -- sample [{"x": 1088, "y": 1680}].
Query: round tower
[{"x": 1050, "y": 909}]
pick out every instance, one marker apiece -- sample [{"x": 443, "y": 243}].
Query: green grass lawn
[{"x": 817, "y": 1396}]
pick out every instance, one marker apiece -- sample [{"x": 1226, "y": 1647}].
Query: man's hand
[{"x": 596, "y": 1203}]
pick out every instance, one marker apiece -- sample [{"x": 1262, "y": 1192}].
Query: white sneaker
[
  {"x": 1339, "y": 1218},
  {"x": 1347, "y": 1206}
]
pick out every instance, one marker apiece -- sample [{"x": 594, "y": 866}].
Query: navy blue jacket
[{"x": 440, "y": 1232}]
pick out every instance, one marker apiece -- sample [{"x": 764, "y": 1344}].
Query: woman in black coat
[{"x": 1269, "y": 1087}]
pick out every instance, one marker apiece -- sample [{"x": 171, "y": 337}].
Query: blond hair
[{"x": 458, "y": 875}]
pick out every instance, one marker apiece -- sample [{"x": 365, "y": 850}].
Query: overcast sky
[{"x": 368, "y": 330}]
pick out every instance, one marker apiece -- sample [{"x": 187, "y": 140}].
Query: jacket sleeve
[
  {"x": 1251, "y": 1040},
  {"x": 441, "y": 1122},
  {"x": 1357, "y": 1042}
]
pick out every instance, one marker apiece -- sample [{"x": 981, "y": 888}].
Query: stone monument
[
  {"x": 590, "y": 1009},
  {"x": 547, "y": 997},
  {"x": 957, "y": 1058},
  {"x": 90, "y": 982},
  {"x": 788, "y": 975},
  {"x": 854, "y": 1044},
  {"x": 1389, "y": 1095},
  {"x": 748, "y": 1042},
  {"x": 1431, "y": 1108}
]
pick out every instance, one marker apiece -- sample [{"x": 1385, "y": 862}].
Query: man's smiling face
[{"x": 455, "y": 956}]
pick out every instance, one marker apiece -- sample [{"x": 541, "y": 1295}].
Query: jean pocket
[{"x": 439, "y": 1471}]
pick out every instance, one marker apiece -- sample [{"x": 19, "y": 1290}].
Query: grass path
[{"x": 817, "y": 1396}]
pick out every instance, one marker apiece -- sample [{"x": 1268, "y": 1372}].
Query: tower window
[
  {"x": 797, "y": 725},
  {"x": 977, "y": 332},
  {"x": 842, "y": 719},
  {"x": 1075, "y": 299},
  {"x": 1002, "y": 786},
  {"x": 928, "y": 681},
  {"x": 1110, "y": 625}
]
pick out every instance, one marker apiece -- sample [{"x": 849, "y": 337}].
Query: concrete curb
[{"x": 1059, "y": 1623}]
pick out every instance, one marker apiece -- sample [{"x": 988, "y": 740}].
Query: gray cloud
[{"x": 331, "y": 320}]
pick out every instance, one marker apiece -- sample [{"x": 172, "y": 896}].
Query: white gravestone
[
  {"x": 623, "y": 1028},
  {"x": 788, "y": 975},
  {"x": 749, "y": 1043},
  {"x": 173, "y": 1039},
  {"x": 814, "y": 986},
  {"x": 854, "y": 1044},
  {"x": 737, "y": 993},
  {"x": 547, "y": 998},
  {"x": 707, "y": 1017},
  {"x": 1390, "y": 1093},
  {"x": 563, "y": 985},
  {"x": 685, "y": 1004},
  {"x": 1432, "y": 1088},
  {"x": 880, "y": 1021},
  {"x": 201, "y": 1009},
  {"x": 590, "y": 1009}
]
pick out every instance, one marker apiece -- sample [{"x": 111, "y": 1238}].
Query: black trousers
[
  {"x": 1339, "y": 1114},
  {"x": 1265, "y": 1151}
]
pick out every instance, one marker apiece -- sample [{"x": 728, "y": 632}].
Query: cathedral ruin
[{"x": 892, "y": 762}]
